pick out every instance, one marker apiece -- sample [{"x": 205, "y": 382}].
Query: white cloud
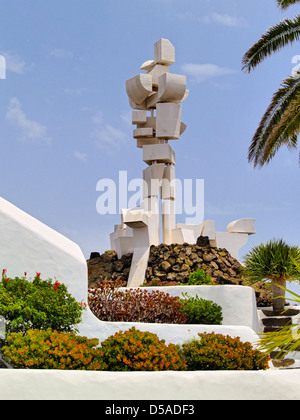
[
  {"x": 75, "y": 91},
  {"x": 31, "y": 131},
  {"x": 126, "y": 117},
  {"x": 202, "y": 72},
  {"x": 108, "y": 138},
  {"x": 98, "y": 118},
  {"x": 81, "y": 156},
  {"x": 226, "y": 20},
  {"x": 215, "y": 18},
  {"x": 60, "y": 53},
  {"x": 13, "y": 63}
]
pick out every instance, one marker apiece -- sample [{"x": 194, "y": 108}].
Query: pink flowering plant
[{"x": 38, "y": 304}]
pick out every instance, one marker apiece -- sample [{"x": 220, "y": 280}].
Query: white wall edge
[{"x": 170, "y": 385}]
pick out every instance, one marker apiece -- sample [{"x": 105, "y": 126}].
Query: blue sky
[{"x": 65, "y": 116}]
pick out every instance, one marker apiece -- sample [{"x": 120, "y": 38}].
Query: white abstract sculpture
[{"x": 155, "y": 97}]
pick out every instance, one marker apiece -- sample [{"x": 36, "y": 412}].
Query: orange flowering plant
[
  {"x": 135, "y": 350},
  {"x": 52, "y": 350},
  {"x": 219, "y": 352}
]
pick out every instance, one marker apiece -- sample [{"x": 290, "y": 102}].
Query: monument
[
  {"x": 29, "y": 245},
  {"x": 155, "y": 97}
]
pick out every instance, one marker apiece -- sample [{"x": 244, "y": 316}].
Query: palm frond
[
  {"x": 285, "y": 4},
  {"x": 277, "y": 37},
  {"x": 285, "y": 133},
  {"x": 283, "y": 105},
  {"x": 286, "y": 339}
]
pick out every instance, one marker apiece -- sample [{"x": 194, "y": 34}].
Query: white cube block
[
  {"x": 171, "y": 87},
  {"x": 139, "y": 117},
  {"x": 143, "y": 132},
  {"x": 136, "y": 218},
  {"x": 168, "y": 183},
  {"x": 161, "y": 153},
  {"x": 168, "y": 120},
  {"x": 242, "y": 226},
  {"x": 146, "y": 141},
  {"x": 164, "y": 52},
  {"x": 153, "y": 177}
]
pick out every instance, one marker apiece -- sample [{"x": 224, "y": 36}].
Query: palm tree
[
  {"x": 274, "y": 261},
  {"x": 280, "y": 124}
]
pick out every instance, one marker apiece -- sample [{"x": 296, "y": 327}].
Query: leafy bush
[
  {"x": 135, "y": 350},
  {"x": 200, "y": 277},
  {"x": 201, "y": 311},
  {"x": 37, "y": 305},
  {"x": 135, "y": 305},
  {"x": 52, "y": 350},
  {"x": 218, "y": 352}
]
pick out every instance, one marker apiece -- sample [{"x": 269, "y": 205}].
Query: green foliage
[
  {"x": 52, "y": 350},
  {"x": 37, "y": 305},
  {"x": 218, "y": 352},
  {"x": 132, "y": 350},
  {"x": 135, "y": 350},
  {"x": 108, "y": 303},
  {"x": 201, "y": 311},
  {"x": 272, "y": 260},
  {"x": 277, "y": 37},
  {"x": 200, "y": 277},
  {"x": 285, "y": 4},
  {"x": 280, "y": 124},
  {"x": 287, "y": 339}
]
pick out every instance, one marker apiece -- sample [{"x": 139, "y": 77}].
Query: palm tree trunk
[{"x": 278, "y": 294}]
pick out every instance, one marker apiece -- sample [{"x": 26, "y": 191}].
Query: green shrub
[
  {"x": 201, "y": 311},
  {"x": 52, "y": 350},
  {"x": 37, "y": 305},
  {"x": 135, "y": 350},
  {"x": 218, "y": 352},
  {"x": 135, "y": 305},
  {"x": 200, "y": 277}
]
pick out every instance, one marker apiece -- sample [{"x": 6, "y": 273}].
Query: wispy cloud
[
  {"x": 126, "y": 117},
  {"x": 31, "y": 131},
  {"x": 75, "y": 91},
  {"x": 202, "y": 72},
  {"x": 13, "y": 62},
  {"x": 60, "y": 53},
  {"x": 81, "y": 156},
  {"x": 215, "y": 18},
  {"x": 226, "y": 20},
  {"x": 107, "y": 137}
]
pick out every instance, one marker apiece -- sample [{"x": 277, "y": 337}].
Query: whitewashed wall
[
  {"x": 176, "y": 386},
  {"x": 28, "y": 245}
]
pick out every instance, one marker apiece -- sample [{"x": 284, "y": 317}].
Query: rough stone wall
[
  {"x": 171, "y": 263},
  {"x": 174, "y": 263}
]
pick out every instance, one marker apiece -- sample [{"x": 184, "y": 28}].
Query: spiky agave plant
[
  {"x": 275, "y": 262},
  {"x": 280, "y": 124}
]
